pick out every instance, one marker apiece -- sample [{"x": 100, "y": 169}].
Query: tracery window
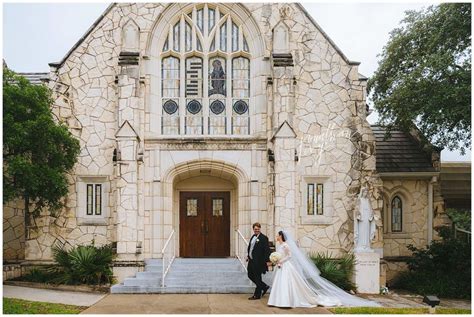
[
  {"x": 205, "y": 69},
  {"x": 397, "y": 214}
]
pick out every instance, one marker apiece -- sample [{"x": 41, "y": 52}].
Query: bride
[{"x": 297, "y": 281}]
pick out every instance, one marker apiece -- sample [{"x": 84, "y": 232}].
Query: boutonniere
[{"x": 257, "y": 240}]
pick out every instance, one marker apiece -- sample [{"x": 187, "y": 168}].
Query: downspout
[{"x": 430, "y": 209}]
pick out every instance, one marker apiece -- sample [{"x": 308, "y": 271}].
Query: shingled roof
[
  {"x": 35, "y": 78},
  {"x": 400, "y": 153}
]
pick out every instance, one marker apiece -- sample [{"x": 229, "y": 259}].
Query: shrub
[
  {"x": 37, "y": 275},
  {"x": 337, "y": 270},
  {"x": 82, "y": 265},
  {"x": 460, "y": 218},
  {"x": 443, "y": 268}
]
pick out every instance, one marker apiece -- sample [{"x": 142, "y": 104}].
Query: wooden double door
[{"x": 204, "y": 224}]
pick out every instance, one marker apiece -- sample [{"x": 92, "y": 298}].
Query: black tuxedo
[{"x": 258, "y": 262}]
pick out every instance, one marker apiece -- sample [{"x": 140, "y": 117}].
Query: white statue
[{"x": 364, "y": 224}]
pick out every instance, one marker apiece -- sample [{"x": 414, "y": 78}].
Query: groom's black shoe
[
  {"x": 254, "y": 297},
  {"x": 265, "y": 290}
]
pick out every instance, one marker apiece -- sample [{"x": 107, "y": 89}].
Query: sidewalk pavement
[
  {"x": 195, "y": 303},
  {"x": 191, "y": 304},
  {"x": 52, "y": 296}
]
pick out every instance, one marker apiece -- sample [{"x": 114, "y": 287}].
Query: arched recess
[
  {"x": 281, "y": 38},
  {"x": 197, "y": 86},
  {"x": 130, "y": 37},
  {"x": 407, "y": 201},
  {"x": 157, "y": 36},
  {"x": 168, "y": 216}
]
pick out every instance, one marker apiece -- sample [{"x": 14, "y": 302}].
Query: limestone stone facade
[{"x": 306, "y": 127}]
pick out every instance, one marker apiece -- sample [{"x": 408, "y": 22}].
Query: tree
[
  {"x": 37, "y": 152},
  {"x": 424, "y": 75}
]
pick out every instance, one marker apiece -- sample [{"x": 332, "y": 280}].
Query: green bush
[
  {"x": 37, "y": 275},
  {"x": 443, "y": 268},
  {"x": 82, "y": 265},
  {"x": 460, "y": 218},
  {"x": 337, "y": 270}
]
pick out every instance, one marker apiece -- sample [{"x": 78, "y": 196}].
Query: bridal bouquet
[{"x": 275, "y": 257}]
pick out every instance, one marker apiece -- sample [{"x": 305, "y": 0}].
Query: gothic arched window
[
  {"x": 205, "y": 84},
  {"x": 397, "y": 214}
]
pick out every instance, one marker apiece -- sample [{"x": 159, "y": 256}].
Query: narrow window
[
  {"x": 90, "y": 198},
  {"x": 98, "y": 199},
  {"x": 314, "y": 198},
  {"x": 319, "y": 199},
  {"x": 397, "y": 213},
  {"x": 310, "y": 197},
  {"x": 217, "y": 207},
  {"x": 191, "y": 207}
]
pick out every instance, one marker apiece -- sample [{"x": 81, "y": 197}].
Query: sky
[{"x": 35, "y": 34}]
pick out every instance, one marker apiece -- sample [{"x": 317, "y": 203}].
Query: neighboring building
[{"x": 201, "y": 119}]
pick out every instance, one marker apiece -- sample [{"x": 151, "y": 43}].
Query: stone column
[
  {"x": 285, "y": 182},
  {"x": 284, "y": 142},
  {"x": 129, "y": 220}
]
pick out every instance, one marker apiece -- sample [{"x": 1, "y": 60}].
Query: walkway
[
  {"x": 190, "y": 304},
  {"x": 52, "y": 296}
]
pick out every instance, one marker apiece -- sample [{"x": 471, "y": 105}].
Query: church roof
[
  {"x": 400, "y": 153},
  {"x": 35, "y": 78}
]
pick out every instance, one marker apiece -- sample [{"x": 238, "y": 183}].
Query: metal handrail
[
  {"x": 237, "y": 249},
  {"x": 165, "y": 270}
]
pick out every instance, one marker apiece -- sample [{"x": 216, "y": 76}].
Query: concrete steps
[{"x": 200, "y": 275}]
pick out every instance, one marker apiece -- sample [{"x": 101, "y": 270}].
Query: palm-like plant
[
  {"x": 83, "y": 265},
  {"x": 337, "y": 270}
]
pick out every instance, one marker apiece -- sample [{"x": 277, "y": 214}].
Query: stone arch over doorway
[{"x": 204, "y": 175}]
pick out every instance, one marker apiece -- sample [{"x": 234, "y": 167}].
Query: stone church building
[{"x": 197, "y": 120}]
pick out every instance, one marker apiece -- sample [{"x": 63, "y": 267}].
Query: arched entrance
[
  {"x": 204, "y": 216},
  {"x": 207, "y": 201}
]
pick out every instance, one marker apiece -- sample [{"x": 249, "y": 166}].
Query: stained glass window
[
  {"x": 90, "y": 198},
  {"x": 192, "y": 207},
  {"x": 319, "y": 199},
  {"x": 94, "y": 199},
  {"x": 223, "y": 102},
  {"x": 98, "y": 199},
  {"x": 310, "y": 203},
  {"x": 315, "y": 196},
  {"x": 397, "y": 214},
  {"x": 194, "y": 77},
  {"x": 217, "y": 207},
  {"x": 170, "y": 77},
  {"x": 240, "y": 78},
  {"x": 235, "y": 37},
  {"x": 176, "y": 37},
  {"x": 200, "y": 19},
  {"x": 188, "y": 37},
  {"x": 217, "y": 76},
  {"x": 223, "y": 37},
  {"x": 211, "y": 19}
]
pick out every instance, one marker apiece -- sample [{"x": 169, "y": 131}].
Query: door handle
[
  {"x": 203, "y": 228},
  {"x": 207, "y": 227}
]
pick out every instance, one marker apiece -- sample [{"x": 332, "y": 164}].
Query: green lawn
[
  {"x": 19, "y": 306},
  {"x": 384, "y": 310}
]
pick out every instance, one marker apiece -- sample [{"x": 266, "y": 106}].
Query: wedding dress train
[
  {"x": 298, "y": 283},
  {"x": 290, "y": 290}
]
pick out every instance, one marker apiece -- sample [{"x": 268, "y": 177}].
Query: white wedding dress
[
  {"x": 289, "y": 289},
  {"x": 298, "y": 283}
]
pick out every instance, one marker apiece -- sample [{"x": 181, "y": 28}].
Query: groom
[{"x": 258, "y": 257}]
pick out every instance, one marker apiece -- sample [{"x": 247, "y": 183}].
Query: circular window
[
  {"x": 240, "y": 107},
  {"x": 217, "y": 107},
  {"x": 194, "y": 106},
  {"x": 170, "y": 106}
]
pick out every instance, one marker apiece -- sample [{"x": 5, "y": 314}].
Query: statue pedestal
[{"x": 367, "y": 272}]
